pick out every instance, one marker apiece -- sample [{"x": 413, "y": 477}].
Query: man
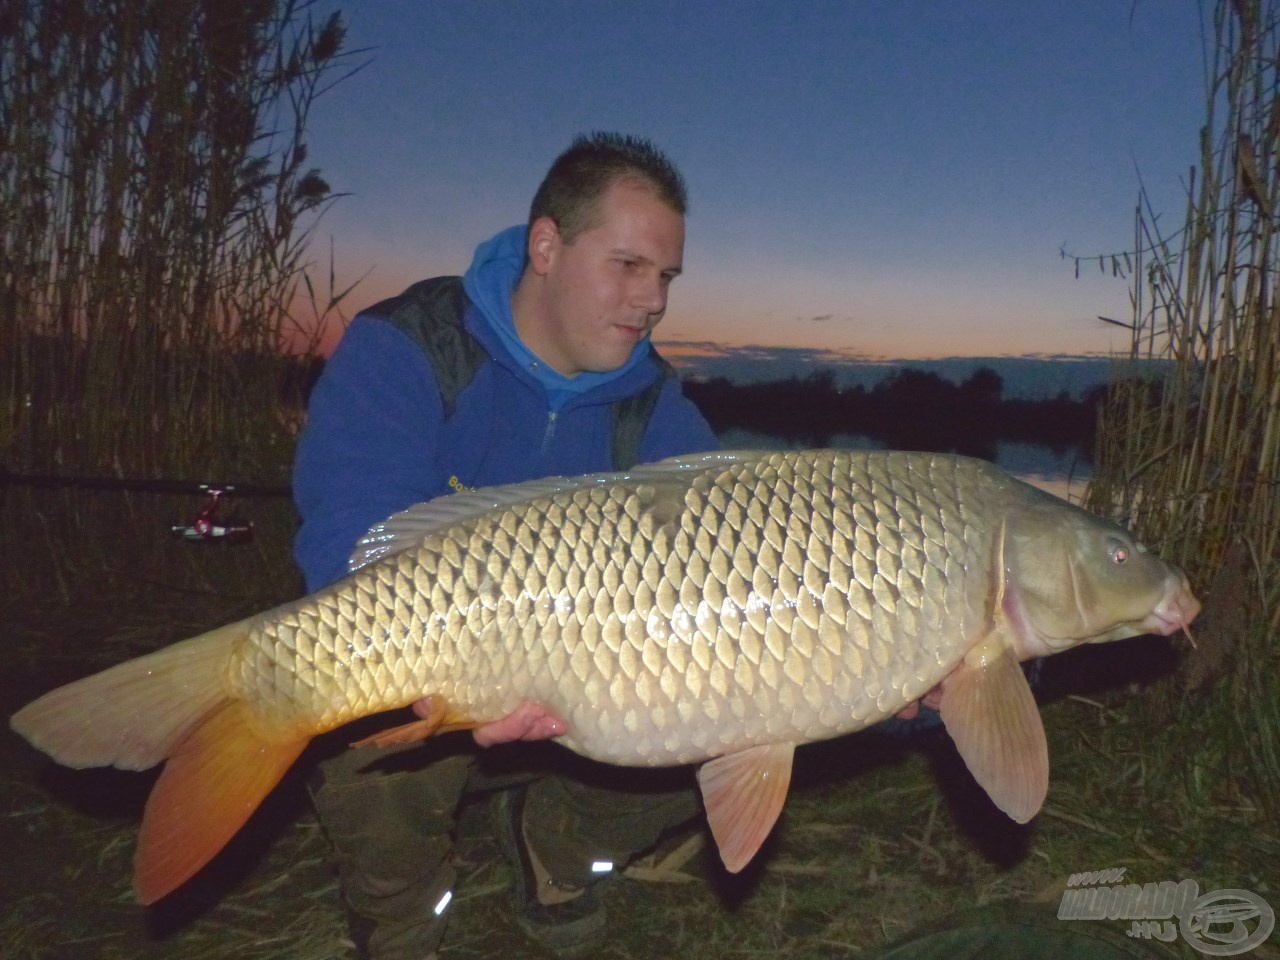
[{"x": 537, "y": 363}]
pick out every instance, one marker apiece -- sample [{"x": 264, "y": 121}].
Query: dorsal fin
[{"x": 407, "y": 528}]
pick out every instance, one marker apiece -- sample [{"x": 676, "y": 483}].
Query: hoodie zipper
[{"x": 550, "y": 432}]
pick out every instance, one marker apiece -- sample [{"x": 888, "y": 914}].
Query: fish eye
[{"x": 1119, "y": 552}]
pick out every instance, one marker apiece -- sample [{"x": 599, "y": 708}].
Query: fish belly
[{"x": 786, "y": 599}]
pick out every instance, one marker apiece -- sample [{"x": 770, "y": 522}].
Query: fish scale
[
  {"x": 719, "y": 608},
  {"x": 791, "y": 596}
]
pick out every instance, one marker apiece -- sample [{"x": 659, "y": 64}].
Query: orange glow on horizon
[{"x": 877, "y": 328}]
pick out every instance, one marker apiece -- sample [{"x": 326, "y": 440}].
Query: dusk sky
[{"x": 883, "y": 179}]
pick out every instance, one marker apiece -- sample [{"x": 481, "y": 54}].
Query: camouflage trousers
[{"x": 390, "y": 817}]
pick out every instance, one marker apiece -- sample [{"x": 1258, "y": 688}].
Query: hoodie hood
[{"x": 490, "y": 281}]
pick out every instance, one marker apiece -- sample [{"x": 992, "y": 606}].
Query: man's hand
[{"x": 529, "y": 721}]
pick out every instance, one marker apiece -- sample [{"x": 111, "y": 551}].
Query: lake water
[{"x": 1063, "y": 474}]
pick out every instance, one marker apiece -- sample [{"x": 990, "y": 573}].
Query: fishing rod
[{"x": 208, "y": 525}]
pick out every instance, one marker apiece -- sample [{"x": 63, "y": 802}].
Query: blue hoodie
[{"x": 376, "y": 440}]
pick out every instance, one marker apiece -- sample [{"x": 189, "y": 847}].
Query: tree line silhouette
[{"x": 910, "y": 409}]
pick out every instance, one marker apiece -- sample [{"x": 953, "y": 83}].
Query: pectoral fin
[
  {"x": 989, "y": 711},
  {"x": 743, "y": 794}
]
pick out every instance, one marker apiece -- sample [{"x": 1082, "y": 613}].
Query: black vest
[{"x": 430, "y": 314}]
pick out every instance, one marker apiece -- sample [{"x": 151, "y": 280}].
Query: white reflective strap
[
  {"x": 443, "y": 902},
  {"x": 601, "y": 866}
]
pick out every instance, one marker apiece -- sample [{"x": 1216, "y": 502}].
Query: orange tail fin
[
  {"x": 171, "y": 704},
  {"x": 212, "y": 783}
]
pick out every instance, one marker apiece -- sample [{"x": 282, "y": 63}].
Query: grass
[{"x": 879, "y": 836}]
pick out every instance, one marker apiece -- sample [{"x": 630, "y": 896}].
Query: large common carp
[{"x": 721, "y": 608}]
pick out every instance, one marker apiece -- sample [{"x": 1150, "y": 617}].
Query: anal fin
[
  {"x": 743, "y": 793},
  {"x": 434, "y": 717},
  {"x": 991, "y": 714}
]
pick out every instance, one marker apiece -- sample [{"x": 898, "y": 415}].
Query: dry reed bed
[
  {"x": 1193, "y": 463},
  {"x": 155, "y": 208}
]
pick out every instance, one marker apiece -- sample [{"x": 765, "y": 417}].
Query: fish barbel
[{"x": 718, "y": 608}]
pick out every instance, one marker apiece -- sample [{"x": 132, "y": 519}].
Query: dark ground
[{"x": 879, "y": 835}]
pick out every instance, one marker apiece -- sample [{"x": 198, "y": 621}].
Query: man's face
[{"x": 607, "y": 289}]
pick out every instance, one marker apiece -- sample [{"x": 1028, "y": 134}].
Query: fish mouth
[{"x": 1175, "y": 612}]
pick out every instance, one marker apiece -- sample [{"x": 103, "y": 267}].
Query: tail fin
[
  {"x": 171, "y": 704},
  {"x": 210, "y": 786}
]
